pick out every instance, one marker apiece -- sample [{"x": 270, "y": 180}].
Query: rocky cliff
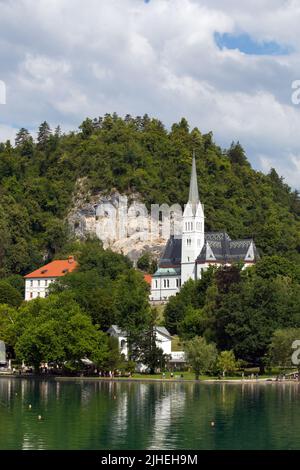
[{"x": 122, "y": 223}]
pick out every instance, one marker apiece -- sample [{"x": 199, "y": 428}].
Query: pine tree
[
  {"x": 22, "y": 137},
  {"x": 44, "y": 135}
]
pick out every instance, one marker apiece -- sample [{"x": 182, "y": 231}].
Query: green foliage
[
  {"x": 9, "y": 295},
  {"x": 132, "y": 307},
  {"x": 147, "y": 264},
  {"x": 226, "y": 362},
  {"x": 145, "y": 350},
  {"x": 280, "y": 351},
  {"x": 55, "y": 329},
  {"x": 200, "y": 355},
  {"x": 38, "y": 181},
  {"x": 239, "y": 310}
]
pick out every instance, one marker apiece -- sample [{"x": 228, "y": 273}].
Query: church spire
[{"x": 194, "y": 194}]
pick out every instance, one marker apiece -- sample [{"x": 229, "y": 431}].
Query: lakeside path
[
  {"x": 262, "y": 380},
  {"x": 174, "y": 380}
]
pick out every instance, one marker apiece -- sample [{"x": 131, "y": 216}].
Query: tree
[
  {"x": 44, "y": 135},
  {"x": 17, "y": 281},
  {"x": 226, "y": 362},
  {"x": 55, "y": 329},
  {"x": 132, "y": 306},
  {"x": 8, "y": 319},
  {"x": 87, "y": 128},
  {"x": 9, "y": 295},
  {"x": 200, "y": 355},
  {"x": 193, "y": 324},
  {"x": 237, "y": 155},
  {"x": 22, "y": 137},
  {"x": 145, "y": 350},
  {"x": 177, "y": 305},
  {"x": 24, "y": 142},
  {"x": 280, "y": 351},
  {"x": 146, "y": 263}
]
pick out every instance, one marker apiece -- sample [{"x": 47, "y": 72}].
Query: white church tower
[{"x": 192, "y": 230}]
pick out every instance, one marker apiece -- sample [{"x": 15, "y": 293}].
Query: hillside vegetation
[{"x": 38, "y": 180}]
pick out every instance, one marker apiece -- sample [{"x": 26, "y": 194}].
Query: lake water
[{"x": 130, "y": 415}]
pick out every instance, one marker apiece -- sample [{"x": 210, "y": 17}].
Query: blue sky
[
  {"x": 244, "y": 43},
  {"x": 227, "y": 66}
]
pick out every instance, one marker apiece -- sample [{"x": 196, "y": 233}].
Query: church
[{"x": 189, "y": 256}]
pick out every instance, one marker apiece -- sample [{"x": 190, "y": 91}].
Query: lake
[{"x": 139, "y": 415}]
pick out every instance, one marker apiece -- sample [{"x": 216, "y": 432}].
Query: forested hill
[{"x": 38, "y": 179}]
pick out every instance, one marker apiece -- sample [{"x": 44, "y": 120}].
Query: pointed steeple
[{"x": 194, "y": 193}]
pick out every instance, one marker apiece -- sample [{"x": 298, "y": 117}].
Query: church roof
[
  {"x": 219, "y": 247},
  {"x": 172, "y": 253},
  {"x": 194, "y": 193}
]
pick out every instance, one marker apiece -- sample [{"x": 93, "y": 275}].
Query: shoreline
[{"x": 266, "y": 380}]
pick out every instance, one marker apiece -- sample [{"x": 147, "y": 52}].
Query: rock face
[{"x": 122, "y": 223}]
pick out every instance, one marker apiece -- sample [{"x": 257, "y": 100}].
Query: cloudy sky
[{"x": 226, "y": 65}]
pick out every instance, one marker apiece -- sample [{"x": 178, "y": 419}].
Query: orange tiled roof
[
  {"x": 148, "y": 278},
  {"x": 57, "y": 268}
]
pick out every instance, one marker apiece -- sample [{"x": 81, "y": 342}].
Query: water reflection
[{"x": 129, "y": 415}]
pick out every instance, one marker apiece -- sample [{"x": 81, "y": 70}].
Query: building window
[
  {"x": 165, "y": 284},
  {"x": 168, "y": 283},
  {"x": 31, "y": 283},
  {"x": 39, "y": 283},
  {"x": 46, "y": 283},
  {"x": 189, "y": 242},
  {"x": 191, "y": 225},
  {"x": 39, "y": 294},
  {"x": 177, "y": 282},
  {"x": 31, "y": 295}
]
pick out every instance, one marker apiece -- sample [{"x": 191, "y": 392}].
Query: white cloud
[
  {"x": 67, "y": 59},
  {"x": 7, "y": 133}
]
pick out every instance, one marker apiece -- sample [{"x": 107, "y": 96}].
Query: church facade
[{"x": 188, "y": 256}]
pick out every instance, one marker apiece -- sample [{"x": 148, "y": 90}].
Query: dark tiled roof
[
  {"x": 172, "y": 253},
  {"x": 219, "y": 247}
]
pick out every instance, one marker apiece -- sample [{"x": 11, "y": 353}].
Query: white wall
[
  {"x": 163, "y": 287},
  {"x": 37, "y": 287},
  {"x": 163, "y": 343}
]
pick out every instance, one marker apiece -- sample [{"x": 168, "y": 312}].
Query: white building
[
  {"x": 163, "y": 341},
  {"x": 38, "y": 282},
  {"x": 186, "y": 257}
]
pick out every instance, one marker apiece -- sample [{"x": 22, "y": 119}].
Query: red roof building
[
  {"x": 148, "y": 278},
  {"x": 37, "y": 282}
]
